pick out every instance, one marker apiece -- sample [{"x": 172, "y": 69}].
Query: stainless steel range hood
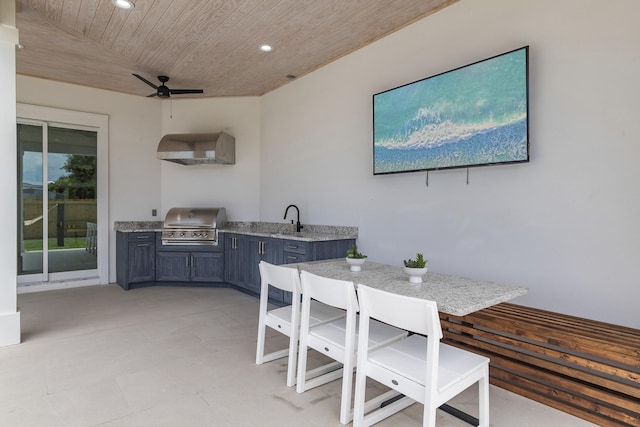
[{"x": 198, "y": 148}]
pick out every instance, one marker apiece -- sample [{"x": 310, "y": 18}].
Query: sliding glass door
[{"x": 57, "y": 202}]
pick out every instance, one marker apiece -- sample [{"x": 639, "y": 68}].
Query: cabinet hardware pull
[
  {"x": 186, "y": 262},
  {"x": 292, "y": 257},
  {"x": 292, "y": 247},
  {"x": 142, "y": 244}
]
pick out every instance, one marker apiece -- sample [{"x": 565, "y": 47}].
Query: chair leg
[
  {"x": 260, "y": 344},
  {"x": 483, "y": 399},
  {"x": 429, "y": 416},
  {"x": 292, "y": 362},
  {"x": 359, "y": 399},
  {"x": 302, "y": 367},
  {"x": 347, "y": 387}
]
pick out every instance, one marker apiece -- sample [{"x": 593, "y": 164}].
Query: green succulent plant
[
  {"x": 353, "y": 253},
  {"x": 419, "y": 262}
]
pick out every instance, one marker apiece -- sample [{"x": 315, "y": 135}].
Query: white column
[{"x": 9, "y": 314}]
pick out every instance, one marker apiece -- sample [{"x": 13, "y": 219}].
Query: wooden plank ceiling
[{"x": 200, "y": 44}]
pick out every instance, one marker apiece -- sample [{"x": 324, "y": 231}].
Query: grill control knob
[{"x": 182, "y": 234}]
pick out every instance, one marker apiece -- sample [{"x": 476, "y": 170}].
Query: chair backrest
[
  {"x": 412, "y": 314},
  {"x": 285, "y": 278},
  {"x": 333, "y": 292}
]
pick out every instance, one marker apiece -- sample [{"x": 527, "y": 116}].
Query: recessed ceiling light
[
  {"x": 123, "y": 4},
  {"x": 266, "y": 48}
]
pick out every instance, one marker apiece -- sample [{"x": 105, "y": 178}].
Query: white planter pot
[
  {"x": 356, "y": 263},
  {"x": 415, "y": 274}
]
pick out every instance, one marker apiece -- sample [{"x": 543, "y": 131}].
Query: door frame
[{"x": 74, "y": 119}]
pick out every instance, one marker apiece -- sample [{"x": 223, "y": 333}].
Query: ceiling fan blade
[
  {"x": 183, "y": 91},
  {"x": 153, "y": 94},
  {"x": 146, "y": 81}
]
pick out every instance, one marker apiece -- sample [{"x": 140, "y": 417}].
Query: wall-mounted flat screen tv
[{"x": 475, "y": 115}]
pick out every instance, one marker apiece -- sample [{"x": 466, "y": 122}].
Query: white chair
[
  {"x": 421, "y": 368},
  {"x": 336, "y": 339},
  {"x": 285, "y": 320},
  {"x": 92, "y": 238}
]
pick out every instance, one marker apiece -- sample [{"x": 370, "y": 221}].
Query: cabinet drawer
[
  {"x": 296, "y": 247},
  {"x": 293, "y": 257},
  {"x": 142, "y": 237}
]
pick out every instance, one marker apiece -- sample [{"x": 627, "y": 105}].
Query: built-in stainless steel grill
[{"x": 193, "y": 226}]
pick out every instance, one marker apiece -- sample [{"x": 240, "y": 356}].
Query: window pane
[
  {"x": 72, "y": 198},
  {"x": 30, "y": 196}
]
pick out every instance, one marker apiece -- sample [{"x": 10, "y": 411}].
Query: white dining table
[{"x": 454, "y": 295}]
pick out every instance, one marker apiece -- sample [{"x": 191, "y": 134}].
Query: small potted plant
[
  {"x": 355, "y": 259},
  {"x": 416, "y": 269}
]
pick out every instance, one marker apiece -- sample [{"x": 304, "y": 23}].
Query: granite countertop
[
  {"x": 137, "y": 226},
  {"x": 310, "y": 232},
  {"x": 454, "y": 295}
]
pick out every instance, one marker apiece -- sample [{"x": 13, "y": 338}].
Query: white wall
[
  {"x": 9, "y": 313},
  {"x": 234, "y": 187},
  {"x": 565, "y": 225},
  {"x": 134, "y": 132}
]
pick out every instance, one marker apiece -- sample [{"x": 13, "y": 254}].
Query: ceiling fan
[{"x": 164, "y": 92}]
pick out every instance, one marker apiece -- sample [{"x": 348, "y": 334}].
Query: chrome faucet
[{"x": 298, "y": 226}]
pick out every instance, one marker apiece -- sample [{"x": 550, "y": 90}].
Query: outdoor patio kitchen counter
[
  {"x": 311, "y": 233},
  {"x": 454, "y": 295}
]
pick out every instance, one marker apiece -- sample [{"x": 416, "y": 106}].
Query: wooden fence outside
[{"x": 75, "y": 215}]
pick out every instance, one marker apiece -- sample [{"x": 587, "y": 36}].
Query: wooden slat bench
[{"x": 583, "y": 367}]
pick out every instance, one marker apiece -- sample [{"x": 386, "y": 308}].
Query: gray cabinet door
[
  {"x": 173, "y": 266},
  {"x": 262, "y": 249},
  {"x": 141, "y": 262},
  {"x": 207, "y": 266},
  {"x": 234, "y": 249}
]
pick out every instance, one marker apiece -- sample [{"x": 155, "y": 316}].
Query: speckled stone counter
[
  {"x": 133, "y": 226},
  {"x": 454, "y": 295},
  {"x": 279, "y": 230}
]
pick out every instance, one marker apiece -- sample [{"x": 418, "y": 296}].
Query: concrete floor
[{"x": 168, "y": 356}]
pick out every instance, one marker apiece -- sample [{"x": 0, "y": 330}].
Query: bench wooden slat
[
  {"x": 624, "y": 336},
  {"x": 550, "y": 354},
  {"x": 587, "y": 368},
  {"x": 550, "y": 400},
  {"x": 535, "y": 383},
  {"x": 570, "y": 339},
  {"x": 562, "y": 372}
]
